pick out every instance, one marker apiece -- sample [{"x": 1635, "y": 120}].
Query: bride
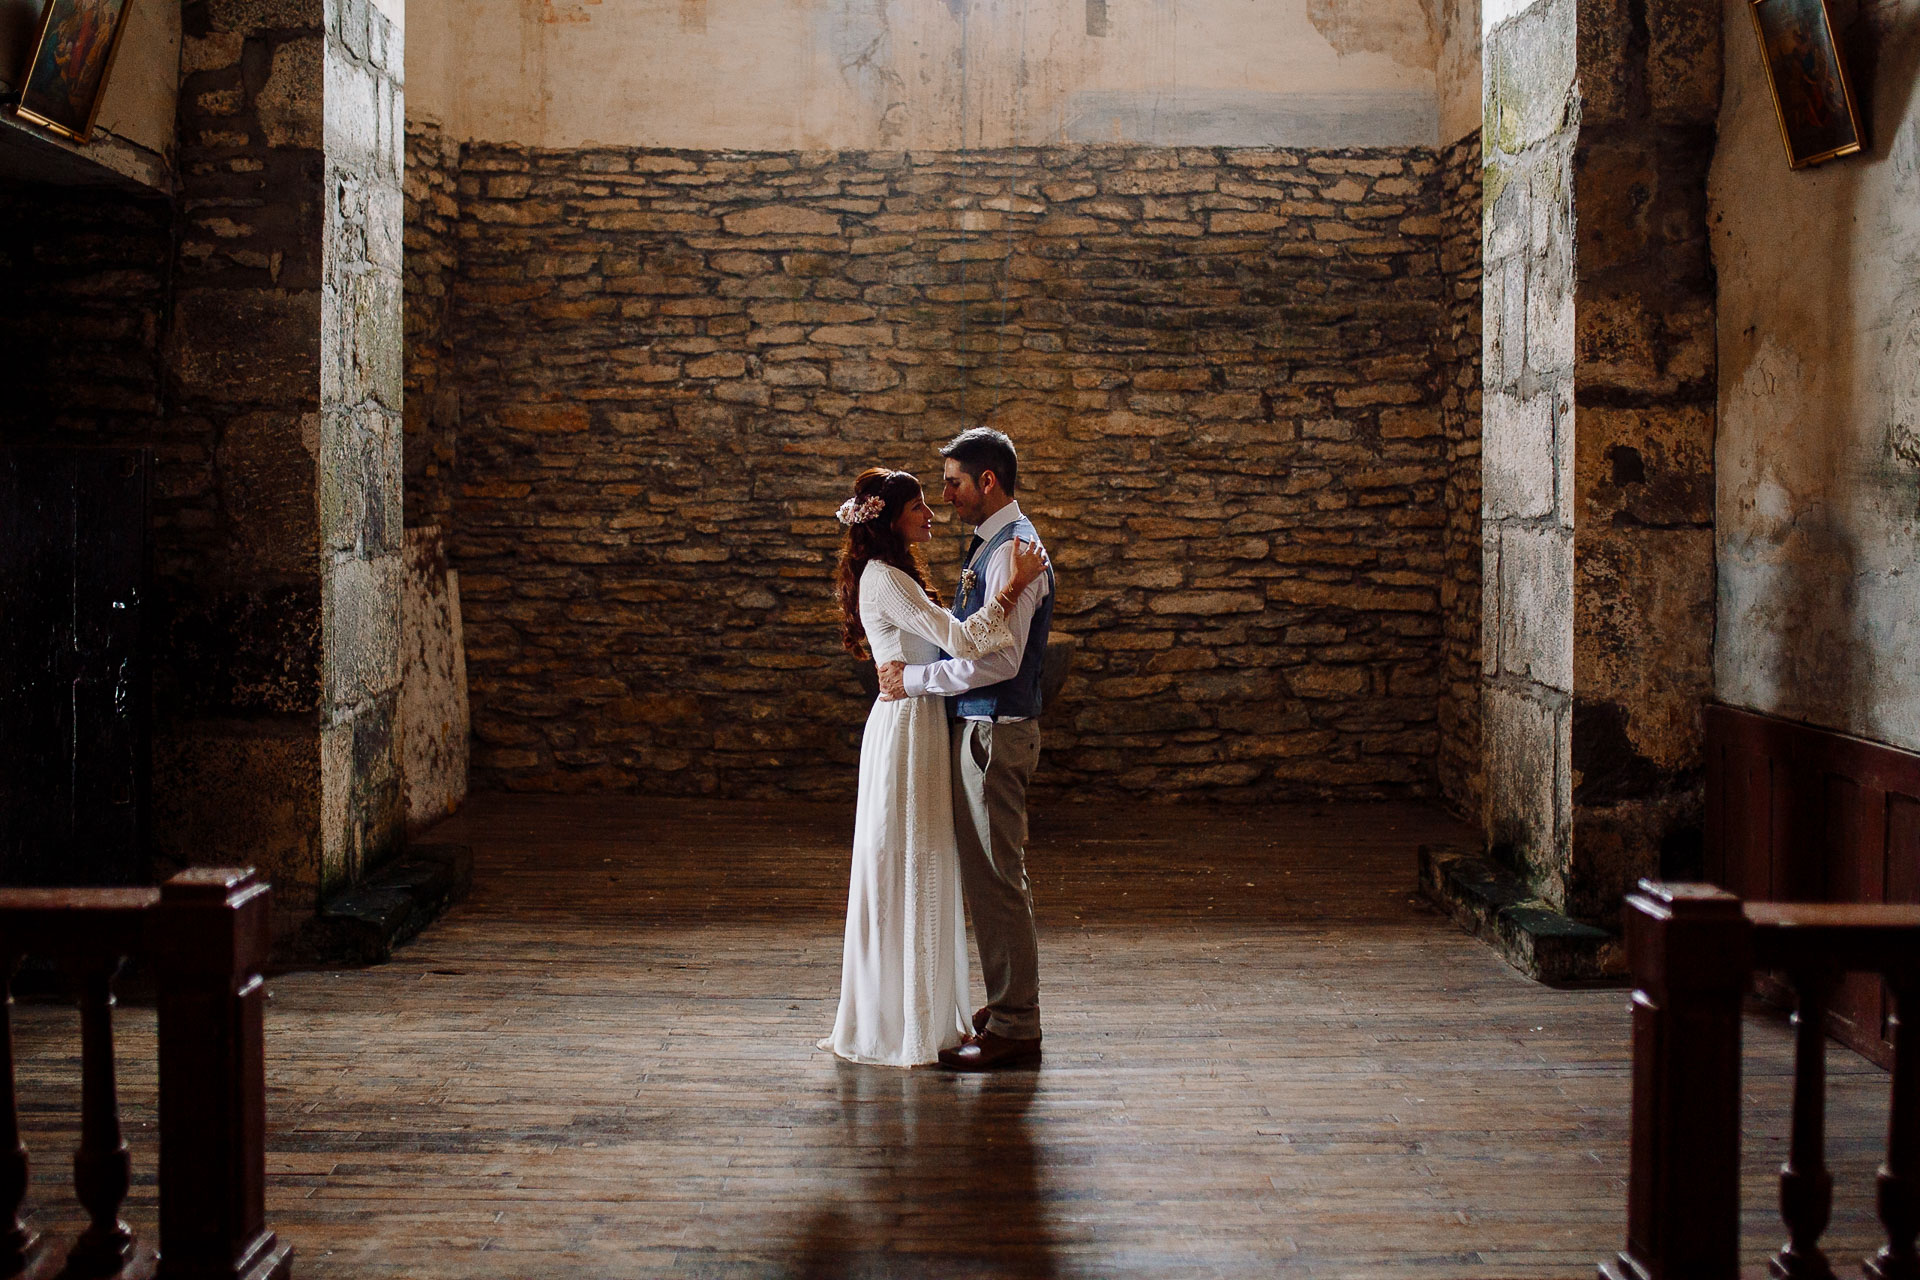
[{"x": 903, "y": 971}]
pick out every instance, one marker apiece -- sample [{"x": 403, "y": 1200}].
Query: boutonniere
[{"x": 968, "y": 580}]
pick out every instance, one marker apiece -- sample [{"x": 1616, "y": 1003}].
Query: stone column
[
  {"x": 276, "y": 738},
  {"x": 1532, "y": 125},
  {"x": 1598, "y": 442}
]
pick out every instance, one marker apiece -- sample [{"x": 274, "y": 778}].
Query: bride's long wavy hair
[{"x": 876, "y": 539}]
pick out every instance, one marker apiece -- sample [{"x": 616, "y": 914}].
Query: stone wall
[
  {"x": 1460, "y": 765},
  {"x": 1220, "y": 366},
  {"x": 283, "y": 361},
  {"x": 432, "y": 400},
  {"x": 1598, "y": 510},
  {"x": 87, "y": 274}
]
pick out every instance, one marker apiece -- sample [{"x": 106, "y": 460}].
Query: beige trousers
[{"x": 992, "y": 765}]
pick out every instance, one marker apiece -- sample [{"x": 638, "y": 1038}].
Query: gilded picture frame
[
  {"x": 69, "y": 63},
  {"x": 1812, "y": 97}
]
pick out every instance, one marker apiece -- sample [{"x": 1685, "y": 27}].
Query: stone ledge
[
  {"x": 29, "y": 153},
  {"x": 1496, "y": 906},
  {"x": 364, "y": 924}
]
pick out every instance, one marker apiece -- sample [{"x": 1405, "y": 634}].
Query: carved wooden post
[
  {"x": 1806, "y": 1187},
  {"x": 1900, "y": 1175},
  {"x": 1690, "y": 948},
  {"x": 102, "y": 1170},
  {"x": 16, "y": 1242},
  {"x": 210, "y": 940}
]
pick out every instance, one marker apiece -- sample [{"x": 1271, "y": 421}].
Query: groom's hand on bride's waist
[{"x": 892, "y": 686}]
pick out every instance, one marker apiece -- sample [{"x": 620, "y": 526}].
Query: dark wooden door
[{"x": 73, "y": 666}]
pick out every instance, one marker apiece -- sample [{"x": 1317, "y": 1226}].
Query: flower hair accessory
[{"x": 861, "y": 510}]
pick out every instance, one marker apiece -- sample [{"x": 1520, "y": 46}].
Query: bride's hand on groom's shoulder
[
  {"x": 892, "y": 686},
  {"x": 1029, "y": 560}
]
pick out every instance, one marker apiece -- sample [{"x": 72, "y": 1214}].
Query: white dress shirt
[{"x": 959, "y": 675}]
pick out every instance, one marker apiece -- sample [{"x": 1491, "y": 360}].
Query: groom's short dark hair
[{"x": 984, "y": 449}]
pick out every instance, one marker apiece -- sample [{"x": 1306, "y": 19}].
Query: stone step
[
  {"x": 363, "y": 924},
  {"x": 1496, "y": 906}
]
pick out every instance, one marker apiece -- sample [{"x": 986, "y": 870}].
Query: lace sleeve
[{"x": 907, "y": 607}]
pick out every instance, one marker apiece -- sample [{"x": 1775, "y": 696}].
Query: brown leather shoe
[
  {"x": 989, "y": 1052},
  {"x": 980, "y": 1018}
]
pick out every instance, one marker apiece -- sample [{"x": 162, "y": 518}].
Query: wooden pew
[
  {"x": 204, "y": 934},
  {"x": 1694, "y": 950}
]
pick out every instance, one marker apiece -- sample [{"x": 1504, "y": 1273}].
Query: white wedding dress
[{"x": 903, "y": 971}]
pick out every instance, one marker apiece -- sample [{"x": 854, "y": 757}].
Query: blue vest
[{"x": 1020, "y": 695}]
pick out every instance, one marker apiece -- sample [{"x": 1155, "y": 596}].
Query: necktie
[{"x": 973, "y": 545}]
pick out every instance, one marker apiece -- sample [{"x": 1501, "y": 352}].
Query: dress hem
[{"x": 864, "y": 1061}]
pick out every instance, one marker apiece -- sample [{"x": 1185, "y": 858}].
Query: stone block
[
  {"x": 1550, "y": 285},
  {"x": 347, "y": 21},
  {"x": 216, "y": 51},
  {"x": 433, "y": 683},
  {"x": 354, "y": 124},
  {"x": 1640, "y": 649},
  {"x": 1619, "y": 186},
  {"x": 254, "y": 16},
  {"x": 385, "y": 228},
  {"x": 1606, "y": 52},
  {"x": 1651, "y": 346},
  {"x": 290, "y": 105},
  {"x": 232, "y": 651},
  {"x": 360, "y": 482},
  {"x": 782, "y": 220},
  {"x": 363, "y": 317},
  {"x": 1531, "y": 65},
  {"x": 1517, "y": 456},
  {"x": 1684, "y": 63},
  {"x": 851, "y": 375},
  {"x": 1206, "y": 602},
  {"x": 341, "y": 855},
  {"x": 1526, "y": 758},
  {"x": 1510, "y": 324},
  {"x": 1536, "y": 608},
  {"x": 247, "y": 346},
  {"x": 1647, "y": 467},
  {"x": 267, "y": 464},
  {"x": 230, "y": 794},
  {"x": 362, "y": 612},
  {"x": 1493, "y": 359},
  {"x": 1160, "y": 182},
  {"x": 724, "y": 364}
]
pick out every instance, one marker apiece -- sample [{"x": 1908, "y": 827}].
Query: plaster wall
[
  {"x": 1818, "y": 452},
  {"x": 783, "y": 75},
  {"x": 139, "y": 101},
  {"x": 1457, "y": 68}
]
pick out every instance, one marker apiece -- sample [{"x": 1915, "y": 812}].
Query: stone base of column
[
  {"x": 1494, "y": 905},
  {"x": 365, "y": 923}
]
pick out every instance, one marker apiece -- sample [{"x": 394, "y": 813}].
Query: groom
[{"x": 995, "y": 706}]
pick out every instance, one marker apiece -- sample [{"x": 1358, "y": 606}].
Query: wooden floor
[{"x": 1263, "y": 1057}]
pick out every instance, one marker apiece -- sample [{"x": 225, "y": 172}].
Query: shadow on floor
[{"x": 939, "y": 1175}]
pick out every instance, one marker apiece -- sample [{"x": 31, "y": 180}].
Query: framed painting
[
  {"x": 66, "y": 71},
  {"x": 1811, "y": 95}
]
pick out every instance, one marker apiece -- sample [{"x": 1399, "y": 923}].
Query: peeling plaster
[
  {"x": 1229, "y": 119},
  {"x": 1406, "y": 35},
  {"x": 1818, "y": 455},
  {"x": 924, "y": 74}
]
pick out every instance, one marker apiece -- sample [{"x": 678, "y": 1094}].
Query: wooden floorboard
[{"x": 1264, "y": 1056}]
